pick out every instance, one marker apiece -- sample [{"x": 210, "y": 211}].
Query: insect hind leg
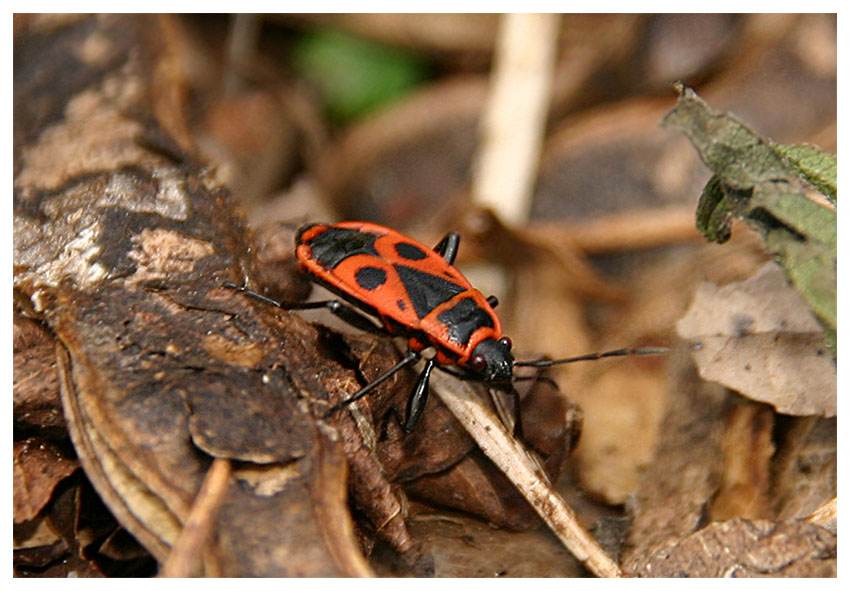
[{"x": 336, "y": 307}]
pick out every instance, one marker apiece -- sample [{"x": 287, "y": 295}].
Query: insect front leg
[
  {"x": 419, "y": 396},
  {"x": 336, "y": 307},
  {"x": 448, "y": 246}
]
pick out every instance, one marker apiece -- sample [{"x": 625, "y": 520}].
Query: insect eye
[
  {"x": 506, "y": 343},
  {"x": 478, "y": 363}
]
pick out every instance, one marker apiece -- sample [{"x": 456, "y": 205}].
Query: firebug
[{"x": 415, "y": 292}]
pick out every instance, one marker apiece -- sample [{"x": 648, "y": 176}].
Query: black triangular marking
[{"x": 426, "y": 291}]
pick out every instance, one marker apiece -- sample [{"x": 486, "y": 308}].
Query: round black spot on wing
[
  {"x": 409, "y": 251},
  {"x": 370, "y": 277},
  {"x": 464, "y": 319},
  {"x": 400, "y": 304}
]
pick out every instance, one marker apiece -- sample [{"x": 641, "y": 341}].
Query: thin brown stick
[
  {"x": 188, "y": 549},
  {"x": 511, "y": 457},
  {"x": 241, "y": 49},
  {"x": 634, "y": 230}
]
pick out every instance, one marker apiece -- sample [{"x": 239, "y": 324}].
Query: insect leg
[
  {"x": 447, "y": 248},
  {"x": 418, "y": 398},
  {"x": 338, "y": 308},
  {"x": 411, "y": 357},
  {"x": 352, "y": 316}
]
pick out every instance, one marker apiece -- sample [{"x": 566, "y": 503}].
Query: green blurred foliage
[{"x": 355, "y": 76}]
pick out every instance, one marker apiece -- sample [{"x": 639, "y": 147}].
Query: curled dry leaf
[
  {"x": 438, "y": 461},
  {"x": 677, "y": 486},
  {"x": 472, "y": 483},
  {"x": 715, "y": 464},
  {"x": 758, "y": 337},
  {"x": 626, "y": 402}
]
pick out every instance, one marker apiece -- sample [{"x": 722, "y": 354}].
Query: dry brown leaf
[
  {"x": 459, "y": 546},
  {"x": 39, "y": 556},
  {"x": 39, "y": 466},
  {"x": 36, "y": 533},
  {"x": 759, "y": 338},
  {"x": 474, "y": 484},
  {"x": 625, "y": 400},
  {"x": 35, "y": 384}
]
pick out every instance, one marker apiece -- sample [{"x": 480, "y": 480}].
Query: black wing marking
[
  {"x": 409, "y": 251},
  {"x": 463, "y": 319},
  {"x": 334, "y": 245},
  {"x": 426, "y": 291},
  {"x": 370, "y": 277}
]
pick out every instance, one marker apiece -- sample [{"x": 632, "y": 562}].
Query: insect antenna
[
  {"x": 537, "y": 378},
  {"x": 592, "y": 356}
]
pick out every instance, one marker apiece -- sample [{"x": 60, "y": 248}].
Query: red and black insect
[{"x": 414, "y": 292}]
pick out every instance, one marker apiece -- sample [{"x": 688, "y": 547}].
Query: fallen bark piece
[{"x": 121, "y": 246}]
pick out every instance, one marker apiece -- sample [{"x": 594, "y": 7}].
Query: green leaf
[
  {"x": 355, "y": 76},
  {"x": 819, "y": 168},
  {"x": 768, "y": 186},
  {"x": 727, "y": 146}
]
